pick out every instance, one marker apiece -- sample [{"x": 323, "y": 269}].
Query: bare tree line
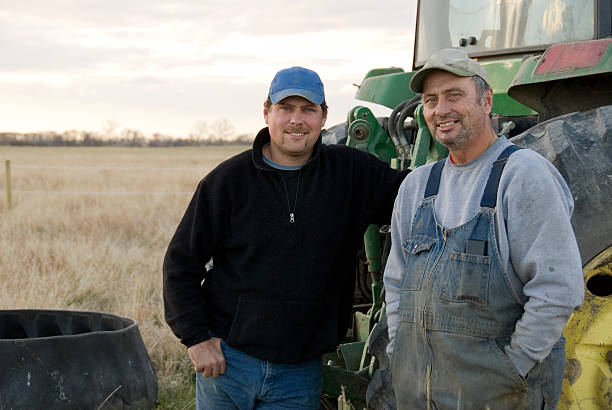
[{"x": 218, "y": 133}]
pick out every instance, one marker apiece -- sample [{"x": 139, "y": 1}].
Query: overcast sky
[{"x": 165, "y": 66}]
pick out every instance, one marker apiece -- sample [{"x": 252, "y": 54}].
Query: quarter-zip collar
[{"x": 263, "y": 138}]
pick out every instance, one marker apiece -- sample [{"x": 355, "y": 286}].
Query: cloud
[
  {"x": 38, "y": 36},
  {"x": 172, "y": 63}
]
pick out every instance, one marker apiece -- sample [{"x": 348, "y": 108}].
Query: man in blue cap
[{"x": 282, "y": 223}]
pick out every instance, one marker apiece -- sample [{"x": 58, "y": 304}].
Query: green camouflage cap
[{"x": 453, "y": 60}]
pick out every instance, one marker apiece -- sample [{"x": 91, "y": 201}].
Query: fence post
[{"x": 8, "y": 184}]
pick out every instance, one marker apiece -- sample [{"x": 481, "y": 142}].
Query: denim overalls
[{"x": 458, "y": 311}]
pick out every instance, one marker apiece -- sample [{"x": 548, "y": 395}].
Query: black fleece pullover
[{"x": 279, "y": 290}]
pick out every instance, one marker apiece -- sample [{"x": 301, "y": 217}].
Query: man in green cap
[{"x": 484, "y": 270}]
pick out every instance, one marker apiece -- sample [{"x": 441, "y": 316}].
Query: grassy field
[{"x": 88, "y": 230}]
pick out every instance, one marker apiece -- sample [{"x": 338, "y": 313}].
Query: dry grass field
[{"x": 88, "y": 230}]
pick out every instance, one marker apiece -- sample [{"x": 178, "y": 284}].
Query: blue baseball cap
[{"x": 298, "y": 81}]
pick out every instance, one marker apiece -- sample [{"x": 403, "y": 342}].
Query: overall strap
[
  {"x": 489, "y": 197},
  {"x": 433, "y": 182}
]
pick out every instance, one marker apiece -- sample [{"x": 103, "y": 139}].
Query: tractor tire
[
  {"x": 579, "y": 145},
  {"x": 53, "y": 359}
]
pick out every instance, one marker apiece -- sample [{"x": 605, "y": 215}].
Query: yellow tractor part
[{"x": 587, "y": 382}]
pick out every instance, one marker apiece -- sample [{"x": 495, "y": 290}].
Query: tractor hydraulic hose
[
  {"x": 407, "y": 111},
  {"x": 396, "y": 124},
  {"x": 391, "y": 129}
]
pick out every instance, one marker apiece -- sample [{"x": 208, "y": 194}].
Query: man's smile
[
  {"x": 446, "y": 125},
  {"x": 296, "y": 134}
]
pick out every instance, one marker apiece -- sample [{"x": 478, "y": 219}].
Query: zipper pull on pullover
[
  {"x": 292, "y": 209},
  {"x": 284, "y": 172}
]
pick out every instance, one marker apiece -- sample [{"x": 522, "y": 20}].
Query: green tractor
[{"x": 550, "y": 66}]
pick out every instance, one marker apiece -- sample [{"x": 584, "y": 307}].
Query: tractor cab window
[{"x": 488, "y": 26}]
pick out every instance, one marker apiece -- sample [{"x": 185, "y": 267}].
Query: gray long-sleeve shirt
[{"x": 537, "y": 244}]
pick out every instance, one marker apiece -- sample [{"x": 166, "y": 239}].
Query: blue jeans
[{"x": 251, "y": 383}]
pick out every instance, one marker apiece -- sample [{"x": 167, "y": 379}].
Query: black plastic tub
[{"x": 54, "y": 359}]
